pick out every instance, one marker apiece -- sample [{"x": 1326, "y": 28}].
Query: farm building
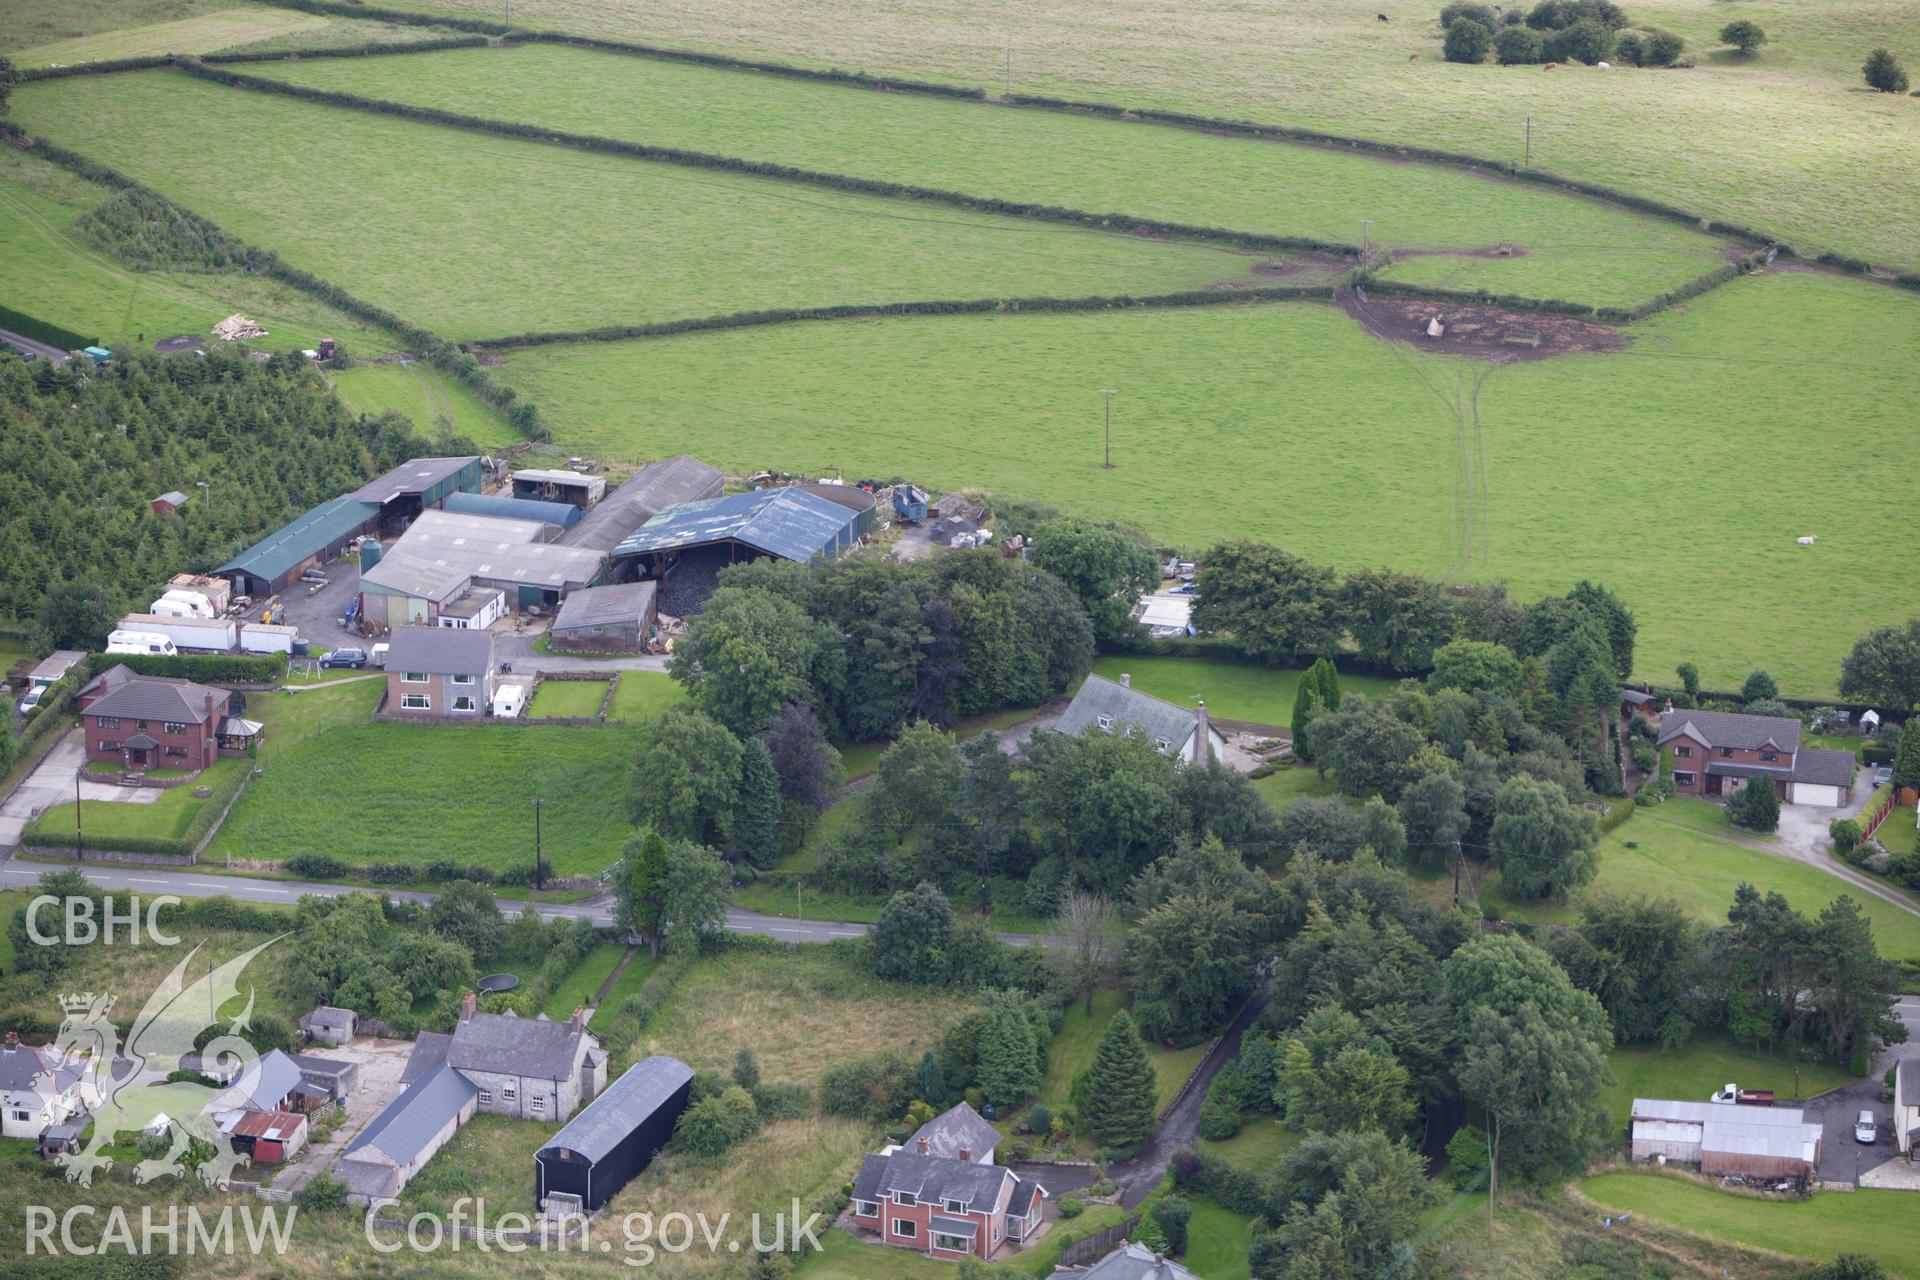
[
  {"x": 386, "y": 1154},
  {"x": 559, "y": 514},
  {"x": 616, "y": 1136},
  {"x": 331, "y": 1076},
  {"x": 417, "y": 485},
  {"x": 613, "y": 617},
  {"x": 329, "y": 1025},
  {"x": 1725, "y": 1137},
  {"x": 569, "y": 487},
  {"x": 443, "y": 554},
  {"x": 685, "y": 547},
  {"x": 648, "y": 492},
  {"x": 307, "y": 541},
  {"x": 439, "y": 673},
  {"x": 169, "y": 502},
  {"x": 269, "y": 1137},
  {"x": 1166, "y": 614},
  {"x": 1115, "y": 706},
  {"x": 1715, "y": 753}
]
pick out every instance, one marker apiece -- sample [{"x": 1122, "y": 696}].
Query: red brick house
[
  {"x": 151, "y": 722},
  {"x": 942, "y": 1195},
  {"x": 1716, "y": 753}
]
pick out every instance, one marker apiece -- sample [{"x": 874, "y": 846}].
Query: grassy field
[
  {"x": 491, "y": 1158},
  {"x": 51, "y": 274},
  {"x": 208, "y": 33},
  {"x": 1875, "y": 1223},
  {"x": 643, "y": 695},
  {"x": 1683, "y": 136},
  {"x": 1575, "y": 249},
  {"x": 413, "y": 793},
  {"x": 385, "y": 208},
  {"x": 1235, "y": 690},
  {"x": 1242, "y": 422},
  {"x": 167, "y": 818},
  {"x": 568, "y": 698},
  {"x": 800, "y": 1013},
  {"x": 1217, "y": 1242},
  {"x": 1288, "y": 783},
  {"x": 1693, "y": 1073},
  {"x": 1258, "y": 1146},
  {"x": 425, "y": 395}
]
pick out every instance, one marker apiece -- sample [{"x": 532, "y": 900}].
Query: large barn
[
  {"x": 615, "y": 1137},
  {"x": 1725, "y": 1137}
]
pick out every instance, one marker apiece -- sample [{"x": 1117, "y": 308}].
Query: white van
[
  {"x": 139, "y": 642},
  {"x": 182, "y": 604}
]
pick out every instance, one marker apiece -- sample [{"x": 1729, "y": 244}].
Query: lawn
[
  {"x": 628, "y": 983},
  {"x": 568, "y": 698},
  {"x": 167, "y": 818},
  {"x": 579, "y": 988},
  {"x": 1242, "y": 421},
  {"x": 53, "y": 275},
  {"x": 491, "y": 1158},
  {"x": 1082, "y": 162},
  {"x": 643, "y": 695},
  {"x": 1288, "y": 783},
  {"x": 799, "y": 1012},
  {"x": 1217, "y": 1242},
  {"x": 1258, "y": 1146},
  {"x": 1079, "y": 1036},
  {"x": 1680, "y": 136},
  {"x": 846, "y": 1257},
  {"x": 392, "y": 211},
  {"x": 415, "y": 793},
  {"x": 1693, "y": 1073},
  {"x": 1879, "y": 1224},
  {"x": 1897, "y": 832},
  {"x": 1232, "y": 690},
  {"x": 861, "y": 758},
  {"x": 424, "y": 395}
]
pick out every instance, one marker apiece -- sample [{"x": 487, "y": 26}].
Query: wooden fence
[
  {"x": 1882, "y": 804},
  {"x": 1098, "y": 1244}
]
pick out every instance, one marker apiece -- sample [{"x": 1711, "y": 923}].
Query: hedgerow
[{"x": 43, "y": 331}]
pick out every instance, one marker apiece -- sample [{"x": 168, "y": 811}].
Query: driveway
[
  {"x": 1803, "y": 827},
  {"x": 381, "y": 1062},
  {"x": 517, "y": 648},
  {"x": 52, "y": 782},
  {"x": 1841, "y": 1158}
]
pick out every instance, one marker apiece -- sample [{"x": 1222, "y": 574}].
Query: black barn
[{"x": 617, "y": 1135}]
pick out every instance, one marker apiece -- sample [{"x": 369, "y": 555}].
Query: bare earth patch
[{"x": 1493, "y": 334}]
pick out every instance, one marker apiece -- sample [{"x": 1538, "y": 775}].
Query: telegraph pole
[
  {"x": 79, "y": 843},
  {"x": 539, "y": 867},
  {"x": 1366, "y": 242},
  {"x": 1528, "y": 162},
  {"x": 1109, "y": 393}
]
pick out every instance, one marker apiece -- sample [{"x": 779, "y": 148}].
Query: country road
[{"x": 199, "y": 884}]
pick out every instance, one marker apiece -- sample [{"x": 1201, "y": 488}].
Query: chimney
[
  {"x": 579, "y": 1018},
  {"x": 966, "y": 1153},
  {"x": 1203, "y": 727},
  {"x": 1669, "y": 704},
  {"x": 469, "y": 1004},
  {"x": 924, "y": 1147},
  {"x": 13, "y": 1041},
  {"x": 1126, "y": 680}
]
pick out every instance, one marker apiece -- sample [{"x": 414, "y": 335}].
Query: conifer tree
[
  {"x": 931, "y": 1080},
  {"x": 1119, "y": 1108},
  {"x": 1007, "y": 1073},
  {"x": 756, "y": 820}
]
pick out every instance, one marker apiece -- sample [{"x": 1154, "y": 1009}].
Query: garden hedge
[
  {"x": 43, "y": 331},
  {"x": 398, "y": 17},
  {"x": 232, "y": 668}
]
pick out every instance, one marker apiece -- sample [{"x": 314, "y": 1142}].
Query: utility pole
[
  {"x": 799, "y": 912},
  {"x": 1456, "y": 873},
  {"x": 507, "y": 20},
  {"x": 539, "y": 867},
  {"x": 1109, "y": 393},
  {"x": 1528, "y": 162},
  {"x": 1366, "y": 242}
]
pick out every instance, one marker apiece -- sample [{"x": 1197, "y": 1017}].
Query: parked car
[
  {"x": 355, "y": 658},
  {"x": 1865, "y": 1131},
  {"x": 1883, "y": 775},
  {"x": 32, "y": 699}
]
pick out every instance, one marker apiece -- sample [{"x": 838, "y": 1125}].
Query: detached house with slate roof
[
  {"x": 1716, "y": 753},
  {"x": 942, "y": 1195},
  {"x": 151, "y": 722},
  {"x": 1115, "y": 706}
]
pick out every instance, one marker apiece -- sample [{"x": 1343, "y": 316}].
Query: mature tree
[
  {"x": 1365, "y": 745},
  {"x": 1884, "y": 667},
  {"x": 1517, "y": 46},
  {"x": 1615, "y": 620},
  {"x": 76, "y": 614},
  {"x": 1541, "y": 843},
  {"x": 1587, "y": 41},
  {"x": 918, "y": 782},
  {"x": 1884, "y": 72},
  {"x": 1689, "y": 681},
  {"x": 1663, "y": 48},
  {"x": 751, "y": 652},
  {"x": 1644, "y": 951},
  {"x": 931, "y": 1081},
  {"x": 1382, "y": 831},
  {"x": 8, "y": 78},
  {"x": 1906, "y": 760},
  {"x": 1326, "y": 682},
  {"x": 1459, "y": 9},
  {"x": 1104, "y": 803},
  {"x": 687, "y": 778},
  {"x": 1332, "y": 1077},
  {"x": 757, "y": 813},
  {"x": 993, "y": 808},
  {"x": 1851, "y": 989},
  {"x": 1584, "y": 682},
  {"x": 1106, "y": 568},
  {"x": 1320, "y": 825},
  {"x": 642, "y": 905},
  {"x": 1222, "y": 802},
  {"x": 1087, "y": 924},
  {"x": 1756, "y": 806},
  {"x": 1759, "y": 686},
  {"x": 1467, "y": 41},
  {"x": 807, "y": 765},
  {"x": 1434, "y": 812},
  {"x": 1277, "y": 606},
  {"x": 911, "y": 940},
  {"x": 1744, "y": 35},
  {"x": 1629, "y": 49},
  {"x": 1538, "y": 1083},
  {"x": 1396, "y": 619},
  {"x": 466, "y": 913},
  {"x": 1349, "y": 1206},
  {"x": 1193, "y": 957},
  {"x": 1503, "y": 972},
  {"x": 1259, "y": 1063},
  {"x": 1008, "y": 1072},
  {"x": 1119, "y": 1107},
  {"x": 698, "y": 888},
  {"x": 1474, "y": 665},
  {"x": 1306, "y": 709}
]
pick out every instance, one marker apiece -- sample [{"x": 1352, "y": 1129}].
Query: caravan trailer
[{"x": 140, "y": 642}]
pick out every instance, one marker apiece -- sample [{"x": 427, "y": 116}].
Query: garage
[{"x": 1816, "y": 793}]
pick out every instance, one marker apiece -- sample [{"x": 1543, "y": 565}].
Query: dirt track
[{"x": 1487, "y": 333}]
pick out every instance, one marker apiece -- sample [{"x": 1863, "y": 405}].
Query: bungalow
[
  {"x": 151, "y": 722},
  {"x": 943, "y": 1196},
  {"x": 37, "y": 1089},
  {"x": 440, "y": 672},
  {"x": 1715, "y": 753},
  {"x": 1117, "y": 707}
]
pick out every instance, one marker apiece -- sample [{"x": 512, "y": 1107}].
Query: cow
[{"x": 1381, "y": 16}]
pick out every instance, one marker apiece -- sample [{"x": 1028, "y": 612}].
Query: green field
[
  {"x": 1248, "y": 422},
  {"x": 50, "y": 273},
  {"x": 1876, "y": 1223},
  {"x": 1575, "y": 249},
  {"x": 643, "y": 695},
  {"x": 568, "y": 698},
  {"x": 208, "y": 33},
  {"x": 427, "y": 396},
  {"x": 1234, "y": 690},
  {"x": 414, "y": 793},
  {"x": 1693, "y": 1073},
  {"x": 386, "y": 209},
  {"x": 1822, "y": 179}
]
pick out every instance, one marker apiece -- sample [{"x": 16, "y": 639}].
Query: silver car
[{"x": 1865, "y": 1131}]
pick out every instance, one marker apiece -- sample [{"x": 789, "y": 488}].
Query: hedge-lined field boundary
[
  {"x": 1119, "y": 222},
  {"x": 948, "y": 307},
  {"x": 156, "y": 61},
  {"x": 442, "y": 353},
  {"x": 43, "y": 330}
]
